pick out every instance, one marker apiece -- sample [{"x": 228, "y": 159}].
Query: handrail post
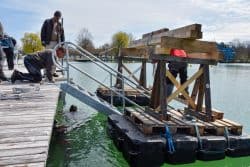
[
  {"x": 123, "y": 93},
  {"x": 67, "y": 61},
  {"x": 111, "y": 92}
]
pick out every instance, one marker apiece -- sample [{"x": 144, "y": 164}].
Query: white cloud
[{"x": 221, "y": 19}]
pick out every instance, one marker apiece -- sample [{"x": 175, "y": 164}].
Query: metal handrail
[
  {"x": 104, "y": 64},
  {"x": 99, "y": 82},
  {"x": 117, "y": 76}
]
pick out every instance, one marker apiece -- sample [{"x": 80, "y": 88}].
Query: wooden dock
[{"x": 26, "y": 121}]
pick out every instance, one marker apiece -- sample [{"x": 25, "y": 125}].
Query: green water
[{"x": 86, "y": 143}]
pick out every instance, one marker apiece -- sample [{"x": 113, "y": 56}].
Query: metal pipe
[
  {"x": 111, "y": 93},
  {"x": 100, "y": 61},
  {"x": 67, "y": 60},
  {"x": 92, "y": 60},
  {"x": 123, "y": 92}
]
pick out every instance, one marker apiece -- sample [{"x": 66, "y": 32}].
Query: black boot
[
  {"x": 2, "y": 76},
  {"x": 15, "y": 76}
]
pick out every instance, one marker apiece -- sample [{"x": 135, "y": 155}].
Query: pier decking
[{"x": 26, "y": 121}]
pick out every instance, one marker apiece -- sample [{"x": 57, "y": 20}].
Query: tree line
[{"x": 241, "y": 49}]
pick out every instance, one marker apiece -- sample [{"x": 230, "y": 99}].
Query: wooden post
[
  {"x": 143, "y": 76},
  {"x": 207, "y": 91},
  {"x": 155, "y": 95},
  {"x": 118, "y": 79},
  {"x": 163, "y": 89}
]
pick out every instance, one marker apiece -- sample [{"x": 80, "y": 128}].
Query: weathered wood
[
  {"x": 23, "y": 139},
  {"x": 163, "y": 89},
  {"x": 177, "y": 85},
  {"x": 191, "y": 31},
  {"x": 200, "y": 93},
  {"x": 208, "y": 105},
  {"x": 39, "y": 164},
  {"x": 22, "y": 159},
  {"x": 119, "y": 76},
  {"x": 10, "y": 146},
  {"x": 23, "y": 151},
  {"x": 195, "y": 89},
  {"x": 190, "y": 46},
  {"x": 153, "y": 33},
  {"x": 183, "y": 86},
  {"x": 167, "y": 57},
  {"x": 26, "y": 125},
  {"x": 143, "y": 74},
  {"x": 146, "y": 123},
  {"x": 155, "y": 95},
  {"x": 141, "y": 53}
]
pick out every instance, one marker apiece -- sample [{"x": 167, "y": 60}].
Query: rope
[{"x": 169, "y": 139}]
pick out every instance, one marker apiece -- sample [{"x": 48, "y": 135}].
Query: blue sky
[{"x": 222, "y": 20}]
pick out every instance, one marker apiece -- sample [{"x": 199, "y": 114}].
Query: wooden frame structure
[
  {"x": 155, "y": 47},
  {"x": 142, "y": 81},
  {"x": 201, "y": 91}
]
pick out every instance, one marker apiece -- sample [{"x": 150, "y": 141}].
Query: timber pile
[{"x": 163, "y": 40}]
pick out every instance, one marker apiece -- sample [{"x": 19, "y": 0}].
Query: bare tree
[{"x": 84, "y": 39}]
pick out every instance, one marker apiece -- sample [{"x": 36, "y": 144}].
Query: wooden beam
[
  {"x": 155, "y": 95},
  {"x": 175, "y": 82},
  {"x": 182, "y": 87},
  {"x": 153, "y": 33},
  {"x": 191, "y": 31},
  {"x": 167, "y": 57},
  {"x": 207, "y": 91},
  {"x": 143, "y": 74},
  {"x": 135, "y": 52},
  {"x": 190, "y": 46},
  {"x": 163, "y": 91}
]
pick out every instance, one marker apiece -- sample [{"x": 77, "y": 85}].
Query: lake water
[{"x": 86, "y": 143}]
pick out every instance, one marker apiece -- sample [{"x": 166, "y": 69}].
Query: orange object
[{"x": 178, "y": 53}]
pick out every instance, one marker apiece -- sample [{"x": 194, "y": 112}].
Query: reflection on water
[{"x": 87, "y": 141}]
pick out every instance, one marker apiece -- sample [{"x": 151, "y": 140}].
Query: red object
[{"x": 178, "y": 53}]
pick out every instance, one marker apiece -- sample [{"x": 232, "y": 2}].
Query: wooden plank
[
  {"x": 17, "y": 139},
  {"x": 22, "y": 159},
  {"x": 26, "y": 125},
  {"x": 153, "y": 33},
  {"x": 22, "y": 126},
  {"x": 167, "y": 57},
  {"x": 190, "y": 46},
  {"x": 177, "y": 85},
  {"x": 10, "y": 146},
  {"x": 23, "y": 151},
  {"x": 23, "y": 133},
  {"x": 191, "y": 31},
  {"x": 39, "y": 164},
  {"x": 183, "y": 86},
  {"x": 141, "y": 53}
]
